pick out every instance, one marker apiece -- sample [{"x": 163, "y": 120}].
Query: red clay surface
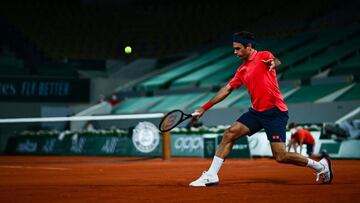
[{"x": 112, "y": 179}]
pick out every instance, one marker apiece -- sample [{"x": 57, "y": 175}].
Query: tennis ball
[{"x": 128, "y": 50}]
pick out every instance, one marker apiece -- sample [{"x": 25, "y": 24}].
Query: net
[{"x": 133, "y": 135}]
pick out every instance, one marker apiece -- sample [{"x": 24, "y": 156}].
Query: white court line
[{"x": 34, "y": 167}]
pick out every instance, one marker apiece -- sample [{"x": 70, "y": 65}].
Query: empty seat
[
  {"x": 312, "y": 93},
  {"x": 352, "y": 94}
]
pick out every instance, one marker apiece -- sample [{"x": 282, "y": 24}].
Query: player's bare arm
[
  {"x": 220, "y": 95},
  {"x": 291, "y": 144},
  {"x": 301, "y": 144},
  {"x": 294, "y": 146}
]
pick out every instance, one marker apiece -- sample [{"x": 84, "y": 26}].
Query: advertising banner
[
  {"x": 23, "y": 89},
  {"x": 183, "y": 145},
  {"x": 78, "y": 145}
]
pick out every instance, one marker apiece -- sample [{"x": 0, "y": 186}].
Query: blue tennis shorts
[{"x": 273, "y": 121}]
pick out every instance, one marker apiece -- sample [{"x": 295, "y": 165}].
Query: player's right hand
[{"x": 199, "y": 113}]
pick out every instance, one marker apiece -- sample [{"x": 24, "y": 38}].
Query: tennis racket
[{"x": 173, "y": 119}]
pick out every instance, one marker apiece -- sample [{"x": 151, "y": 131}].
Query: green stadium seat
[
  {"x": 179, "y": 101},
  {"x": 136, "y": 104},
  {"x": 349, "y": 67},
  {"x": 312, "y": 93},
  {"x": 165, "y": 78},
  {"x": 284, "y": 89},
  {"x": 192, "y": 79},
  {"x": 218, "y": 79},
  {"x": 326, "y": 58},
  {"x": 301, "y": 54},
  {"x": 281, "y": 47},
  {"x": 352, "y": 94}
]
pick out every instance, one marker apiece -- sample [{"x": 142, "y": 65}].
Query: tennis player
[
  {"x": 268, "y": 111},
  {"x": 300, "y": 136}
]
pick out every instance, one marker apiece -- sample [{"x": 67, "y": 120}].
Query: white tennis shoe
[
  {"x": 325, "y": 175},
  {"x": 206, "y": 179}
]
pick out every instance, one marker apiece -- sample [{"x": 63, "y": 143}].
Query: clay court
[{"x": 113, "y": 179}]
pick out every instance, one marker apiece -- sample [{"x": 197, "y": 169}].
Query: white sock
[
  {"x": 314, "y": 165},
  {"x": 216, "y": 165}
]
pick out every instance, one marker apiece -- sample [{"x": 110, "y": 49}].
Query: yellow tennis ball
[{"x": 128, "y": 50}]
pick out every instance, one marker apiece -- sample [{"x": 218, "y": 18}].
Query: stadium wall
[{"x": 182, "y": 145}]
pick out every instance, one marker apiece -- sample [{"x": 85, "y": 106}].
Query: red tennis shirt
[
  {"x": 260, "y": 83},
  {"x": 304, "y": 135}
]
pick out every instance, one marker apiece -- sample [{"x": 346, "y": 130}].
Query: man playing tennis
[{"x": 268, "y": 111}]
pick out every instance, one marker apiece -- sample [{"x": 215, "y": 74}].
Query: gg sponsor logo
[
  {"x": 145, "y": 137},
  {"x": 189, "y": 144}
]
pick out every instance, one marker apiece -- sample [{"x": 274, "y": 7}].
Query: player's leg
[
  {"x": 236, "y": 131},
  {"x": 282, "y": 156},
  {"x": 275, "y": 122},
  {"x": 323, "y": 167},
  {"x": 210, "y": 177},
  {"x": 245, "y": 125}
]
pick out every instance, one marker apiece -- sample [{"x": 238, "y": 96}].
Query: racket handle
[{"x": 195, "y": 114}]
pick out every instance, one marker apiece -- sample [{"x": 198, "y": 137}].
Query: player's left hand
[{"x": 270, "y": 63}]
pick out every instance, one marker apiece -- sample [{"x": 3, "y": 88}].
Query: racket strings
[{"x": 171, "y": 120}]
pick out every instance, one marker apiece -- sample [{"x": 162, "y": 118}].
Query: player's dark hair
[
  {"x": 248, "y": 36},
  {"x": 292, "y": 125}
]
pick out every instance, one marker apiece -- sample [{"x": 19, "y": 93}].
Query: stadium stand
[
  {"x": 350, "y": 66},
  {"x": 163, "y": 80},
  {"x": 311, "y": 93},
  {"x": 137, "y": 104},
  {"x": 281, "y": 47},
  {"x": 180, "y": 101},
  {"x": 352, "y": 94},
  {"x": 216, "y": 80},
  {"x": 329, "y": 57},
  {"x": 193, "y": 78},
  {"x": 320, "y": 49}
]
